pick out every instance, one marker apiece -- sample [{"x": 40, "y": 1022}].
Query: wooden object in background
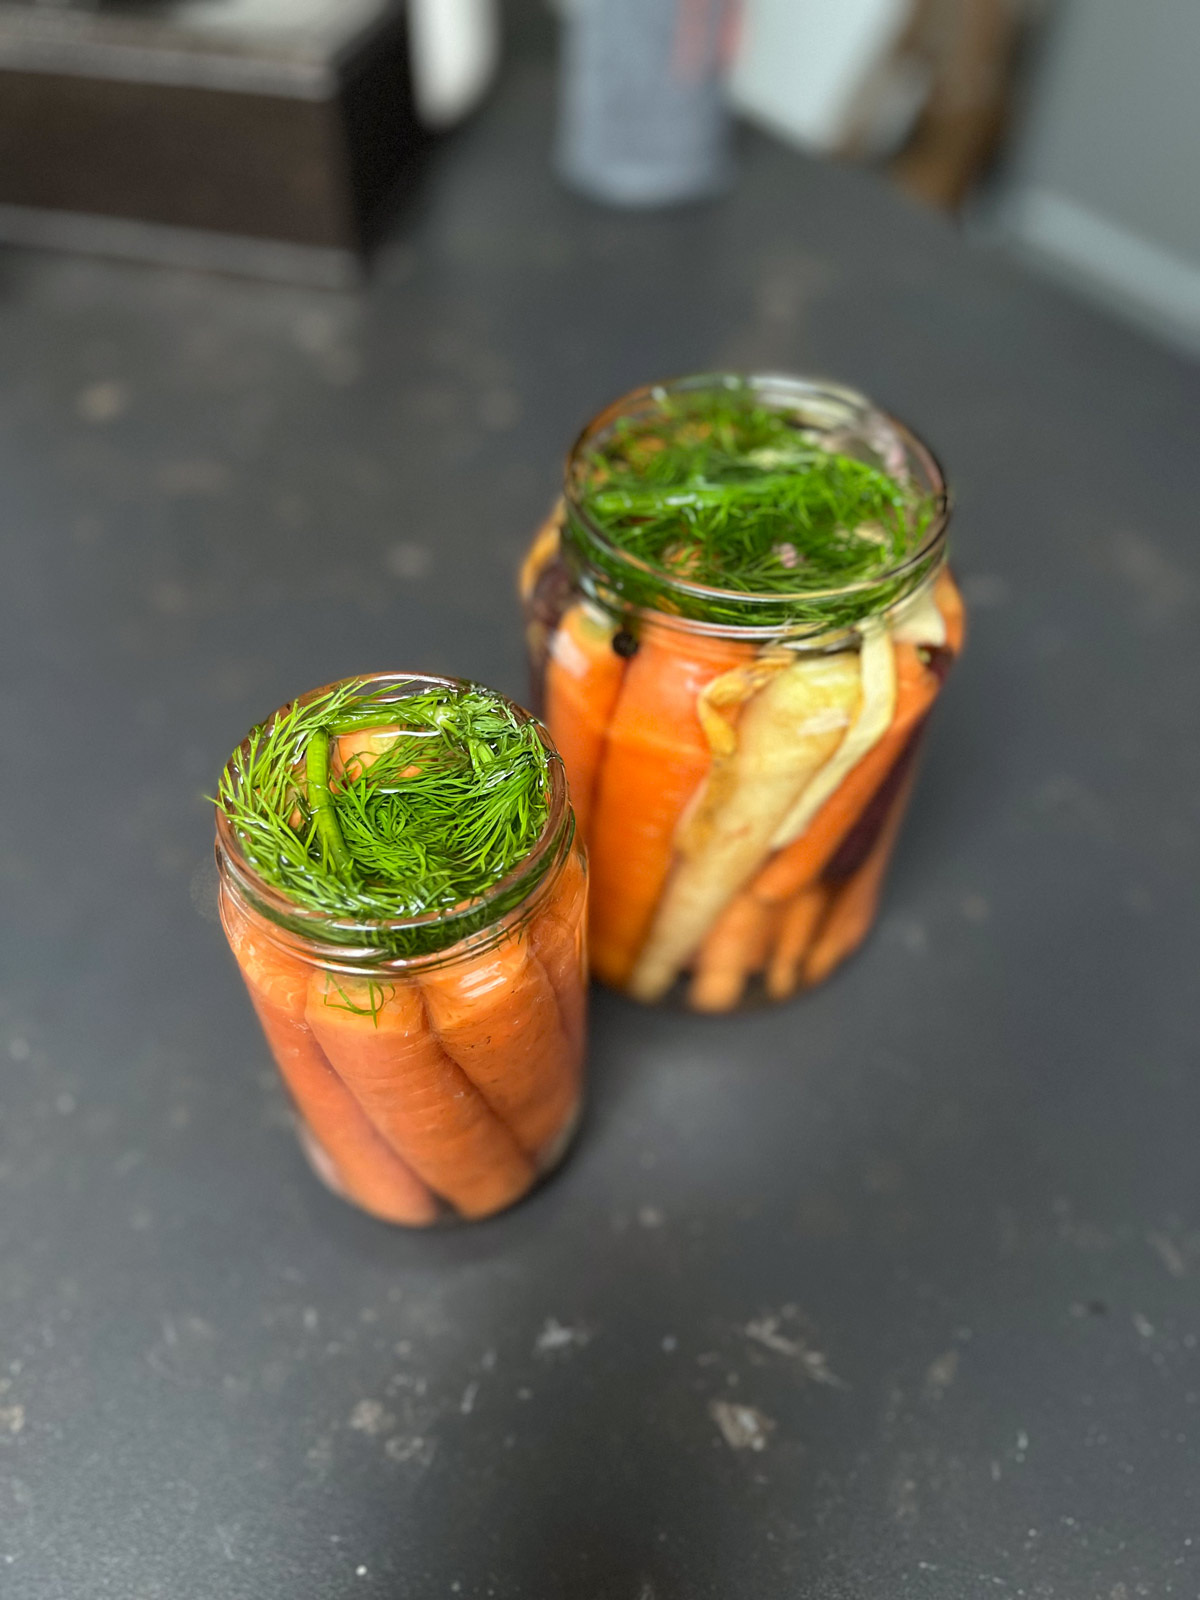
[
  {"x": 970, "y": 48},
  {"x": 261, "y": 136}
]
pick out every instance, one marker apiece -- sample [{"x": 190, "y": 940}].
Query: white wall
[
  {"x": 1105, "y": 179},
  {"x": 801, "y": 61}
]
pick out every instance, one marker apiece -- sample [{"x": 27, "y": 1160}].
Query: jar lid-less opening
[
  {"x": 371, "y": 945},
  {"x": 836, "y": 418}
]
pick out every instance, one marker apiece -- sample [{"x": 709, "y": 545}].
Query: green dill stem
[{"x": 320, "y": 798}]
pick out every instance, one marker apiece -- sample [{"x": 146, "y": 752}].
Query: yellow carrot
[
  {"x": 785, "y": 733},
  {"x": 803, "y": 861},
  {"x": 876, "y": 710}
]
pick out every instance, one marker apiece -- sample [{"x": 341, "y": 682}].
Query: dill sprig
[
  {"x": 429, "y": 823},
  {"x": 711, "y": 488}
]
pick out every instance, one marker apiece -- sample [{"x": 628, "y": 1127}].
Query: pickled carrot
[
  {"x": 797, "y": 925},
  {"x": 356, "y": 752},
  {"x": 420, "y": 1100},
  {"x": 950, "y": 603},
  {"x": 802, "y": 862},
  {"x": 854, "y": 904},
  {"x": 363, "y": 1165},
  {"x": 735, "y": 947},
  {"x": 785, "y": 734},
  {"x": 582, "y": 681},
  {"x": 655, "y": 759},
  {"x": 497, "y": 1016},
  {"x": 559, "y": 934}
]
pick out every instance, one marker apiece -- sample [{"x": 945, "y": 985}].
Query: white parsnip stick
[
  {"x": 876, "y": 707},
  {"x": 786, "y": 732}
]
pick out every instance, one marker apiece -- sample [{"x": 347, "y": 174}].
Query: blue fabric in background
[{"x": 642, "y": 117}]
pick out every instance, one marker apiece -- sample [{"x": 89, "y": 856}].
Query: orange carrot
[
  {"x": 734, "y": 948},
  {"x": 346, "y": 1147},
  {"x": 655, "y": 758},
  {"x": 356, "y": 752},
  {"x": 497, "y": 1015},
  {"x": 377, "y": 1037},
  {"x": 950, "y": 603},
  {"x": 583, "y": 679},
  {"x": 786, "y": 732},
  {"x": 802, "y": 862},
  {"x": 797, "y": 925},
  {"x": 853, "y": 908},
  {"x": 559, "y": 934}
]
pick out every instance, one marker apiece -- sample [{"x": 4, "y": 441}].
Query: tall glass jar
[
  {"x": 739, "y": 759},
  {"x": 434, "y": 1062}
]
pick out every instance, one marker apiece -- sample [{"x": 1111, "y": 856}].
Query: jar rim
[
  {"x": 304, "y": 924},
  {"x": 786, "y": 389}
]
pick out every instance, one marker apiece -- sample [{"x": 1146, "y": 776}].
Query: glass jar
[
  {"x": 434, "y": 1062},
  {"x": 739, "y": 758}
]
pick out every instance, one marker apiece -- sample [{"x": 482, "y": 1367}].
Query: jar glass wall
[
  {"x": 434, "y": 1060},
  {"x": 739, "y": 618}
]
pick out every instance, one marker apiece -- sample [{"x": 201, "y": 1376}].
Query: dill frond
[
  {"x": 721, "y": 491},
  {"x": 437, "y": 818}
]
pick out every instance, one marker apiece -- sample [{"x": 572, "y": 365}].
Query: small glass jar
[
  {"x": 427, "y": 1087},
  {"x": 739, "y": 761}
]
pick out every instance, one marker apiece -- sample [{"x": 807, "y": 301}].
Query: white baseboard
[{"x": 1151, "y": 284}]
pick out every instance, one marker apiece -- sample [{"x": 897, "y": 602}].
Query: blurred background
[
  {"x": 283, "y": 137},
  {"x": 301, "y": 303}
]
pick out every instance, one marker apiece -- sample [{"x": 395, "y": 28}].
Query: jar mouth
[
  {"x": 818, "y": 405},
  {"x": 347, "y": 942}
]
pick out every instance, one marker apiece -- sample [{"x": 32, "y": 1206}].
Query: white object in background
[
  {"x": 1130, "y": 272},
  {"x": 642, "y": 112},
  {"x": 801, "y": 63},
  {"x": 455, "y": 49}
]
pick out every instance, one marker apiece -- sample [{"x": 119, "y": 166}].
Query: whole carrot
[
  {"x": 655, "y": 758},
  {"x": 802, "y": 862},
  {"x": 853, "y": 907},
  {"x": 378, "y": 1038},
  {"x": 734, "y": 949},
  {"x": 785, "y": 734},
  {"x": 559, "y": 934},
  {"x": 497, "y": 1016},
  {"x": 872, "y": 718},
  {"x": 798, "y": 922},
  {"x": 357, "y": 1158},
  {"x": 582, "y": 680}
]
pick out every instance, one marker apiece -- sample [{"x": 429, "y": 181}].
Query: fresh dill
[
  {"x": 452, "y": 794},
  {"x": 713, "y": 488}
]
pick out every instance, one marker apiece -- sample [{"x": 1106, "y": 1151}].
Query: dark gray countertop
[{"x": 939, "y": 1225}]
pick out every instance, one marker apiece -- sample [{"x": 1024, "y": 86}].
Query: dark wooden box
[{"x": 263, "y": 136}]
